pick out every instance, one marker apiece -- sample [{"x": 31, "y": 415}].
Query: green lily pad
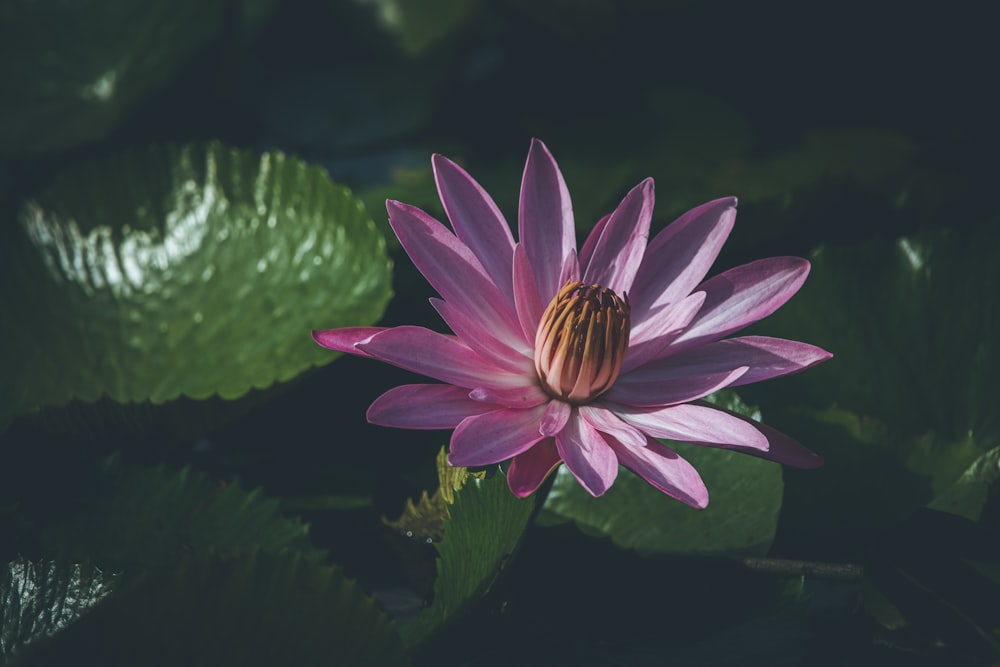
[
  {"x": 181, "y": 271},
  {"x": 70, "y": 71},
  {"x": 38, "y": 599},
  {"x": 741, "y": 518},
  {"x": 145, "y": 518},
  {"x": 258, "y": 609},
  {"x": 482, "y": 531},
  {"x": 968, "y": 495}
]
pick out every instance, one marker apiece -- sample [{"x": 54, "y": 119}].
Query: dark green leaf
[
  {"x": 71, "y": 70},
  {"x": 745, "y": 499},
  {"x": 420, "y": 24},
  {"x": 150, "y": 517},
  {"x": 967, "y": 496},
  {"x": 38, "y": 599},
  {"x": 259, "y": 609},
  {"x": 181, "y": 272},
  {"x": 483, "y": 531}
]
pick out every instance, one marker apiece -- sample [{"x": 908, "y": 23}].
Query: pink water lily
[{"x": 582, "y": 358}]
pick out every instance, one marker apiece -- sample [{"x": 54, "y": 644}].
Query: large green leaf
[
  {"x": 258, "y": 609},
  {"x": 745, "y": 500},
  {"x": 181, "y": 272},
  {"x": 483, "y": 529},
  {"x": 38, "y": 599},
  {"x": 70, "y": 70},
  {"x": 149, "y": 517}
]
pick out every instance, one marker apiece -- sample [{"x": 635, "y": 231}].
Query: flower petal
[
  {"x": 526, "y": 298},
  {"x": 780, "y": 447},
  {"x": 545, "y": 219},
  {"x": 425, "y": 406},
  {"x": 438, "y": 356},
  {"x": 618, "y": 250},
  {"x": 526, "y": 396},
  {"x": 679, "y": 257},
  {"x": 477, "y": 221},
  {"x": 556, "y": 415},
  {"x": 527, "y": 471},
  {"x": 452, "y": 268},
  {"x": 652, "y": 338},
  {"x": 766, "y": 358},
  {"x": 743, "y": 295},
  {"x": 515, "y": 356},
  {"x": 660, "y": 391},
  {"x": 346, "y": 339},
  {"x": 496, "y": 436},
  {"x": 587, "y": 455},
  {"x": 590, "y": 243},
  {"x": 664, "y": 469},
  {"x": 606, "y": 421},
  {"x": 695, "y": 423}
]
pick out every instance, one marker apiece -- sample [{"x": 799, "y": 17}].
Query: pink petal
[
  {"x": 525, "y": 396},
  {"x": 526, "y": 299},
  {"x": 452, "y": 269},
  {"x": 781, "y": 448},
  {"x": 606, "y": 421},
  {"x": 618, "y": 250},
  {"x": 590, "y": 243},
  {"x": 346, "y": 340},
  {"x": 742, "y": 296},
  {"x": 477, "y": 221},
  {"x": 653, "y": 337},
  {"x": 425, "y": 406},
  {"x": 515, "y": 356},
  {"x": 664, "y": 469},
  {"x": 766, "y": 357},
  {"x": 695, "y": 423},
  {"x": 679, "y": 257},
  {"x": 556, "y": 415},
  {"x": 435, "y": 355},
  {"x": 587, "y": 455},
  {"x": 545, "y": 220},
  {"x": 527, "y": 471},
  {"x": 492, "y": 437},
  {"x": 665, "y": 390}
]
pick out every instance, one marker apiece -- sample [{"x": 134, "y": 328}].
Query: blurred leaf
[
  {"x": 876, "y": 158},
  {"x": 258, "y": 609},
  {"x": 71, "y": 70},
  {"x": 927, "y": 580},
  {"x": 149, "y": 517},
  {"x": 741, "y": 517},
  {"x": 914, "y": 339},
  {"x": 38, "y": 599},
  {"x": 967, "y": 496},
  {"x": 484, "y": 527},
  {"x": 181, "y": 272},
  {"x": 425, "y": 519},
  {"x": 420, "y": 24}
]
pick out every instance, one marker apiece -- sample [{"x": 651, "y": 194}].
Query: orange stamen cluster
[{"x": 581, "y": 342}]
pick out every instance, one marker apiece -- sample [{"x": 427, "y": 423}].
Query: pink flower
[{"x": 582, "y": 358}]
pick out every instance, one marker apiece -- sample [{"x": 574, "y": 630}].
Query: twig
[{"x": 834, "y": 571}]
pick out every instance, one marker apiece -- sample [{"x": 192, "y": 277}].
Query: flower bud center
[{"x": 581, "y": 342}]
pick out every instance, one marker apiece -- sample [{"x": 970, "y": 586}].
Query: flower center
[{"x": 581, "y": 342}]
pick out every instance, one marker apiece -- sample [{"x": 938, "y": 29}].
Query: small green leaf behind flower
[{"x": 483, "y": 525}]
